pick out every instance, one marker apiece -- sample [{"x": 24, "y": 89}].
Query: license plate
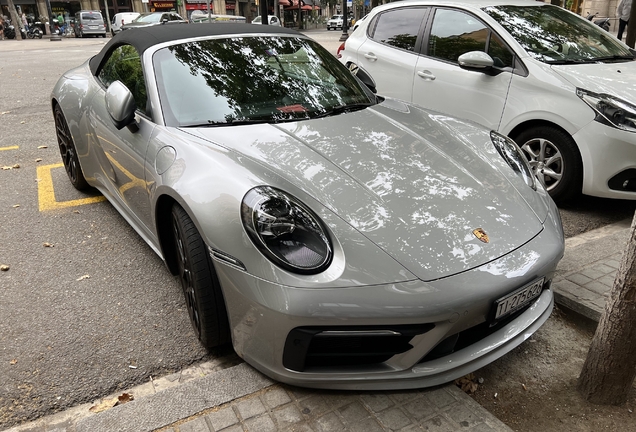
[
  {"x": 92, "y": 27},
  {"x": 518, "y": 299}
]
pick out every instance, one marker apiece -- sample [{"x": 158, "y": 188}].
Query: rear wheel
[
  {"x": 554, "y": 159},
  {"x": 68, "y": 151},
  {"x": 199, "y": 282}
]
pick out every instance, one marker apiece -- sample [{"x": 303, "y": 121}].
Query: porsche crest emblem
[{"x": 481, "y": 235}]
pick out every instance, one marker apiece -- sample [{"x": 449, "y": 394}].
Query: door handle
[
  {"x": 370, "y": 56},
  {"x": 427, "y": 75}
]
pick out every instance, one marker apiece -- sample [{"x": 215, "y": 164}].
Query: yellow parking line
[
  {"x": 46, "y": 194},
  {"x": 9, "y": 148}
]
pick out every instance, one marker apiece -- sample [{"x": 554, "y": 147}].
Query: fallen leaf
[
  {"x": 524, "y": 387},
  {"x": 4, "y": 267},
  {"x": 16, "y": 166},
  {"x": 22, "y": 122},
  {"x": 38, "y": 160},
  {"x": 48, "y": 244},
  {"x": 5, "y": 112},
  {"x": 110, "y": 403},
  {"x": 43, "y": 147},
  {"x": 7, "y": 168},
  {"x": 16, "y": 205},
  {"x": 76, "y": 211},
  {"x": 132, "y": 366},
  {"x": 12, "y": 362},
  {"x": 125, "y": 398},
  {"x": 83, "y": 277},
  {"x": 467, "y": 383},
  {"x": 107, "y": 404}
]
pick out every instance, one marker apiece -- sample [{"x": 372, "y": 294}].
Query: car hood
[
  {"x": 410, "y": 181},
  {"x": 612, "y": 78}
]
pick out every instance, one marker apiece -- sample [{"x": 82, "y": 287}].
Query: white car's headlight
[
  {"x": 610, "y": 110},
  {"x": 286, "y": 231},
  {"x": 514, "y": 157}
]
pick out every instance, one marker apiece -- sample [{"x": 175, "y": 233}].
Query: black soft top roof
[{"x": 146, "y": 37}]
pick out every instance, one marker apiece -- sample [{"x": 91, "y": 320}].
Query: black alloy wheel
[
  {"x": 69, "y": 152},
  {"x": 200, "y": 284}
]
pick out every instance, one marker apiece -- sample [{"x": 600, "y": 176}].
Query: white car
[
  {"x": 560, "y": 86},
  {"x": 273, "y": 20},
  {"x": 335, "y": 22},
  {"x": 120, "y": 19}
]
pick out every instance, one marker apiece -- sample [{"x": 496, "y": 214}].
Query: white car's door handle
[
  {"x": 427, "y": 75},
  {"x": 370, "y": 56}
]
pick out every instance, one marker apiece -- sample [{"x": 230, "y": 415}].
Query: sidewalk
[{"x": 207, "y": 398}]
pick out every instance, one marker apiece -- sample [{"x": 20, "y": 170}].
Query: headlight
[
  {"x": 610, "y": 110},
  {"x": 514, "y": 157},
  {"x": 286, "y": 231}
]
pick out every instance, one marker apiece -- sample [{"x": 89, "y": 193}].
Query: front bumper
[
  {"x": 609, "y": 161},
  {"x": 262, "y": 315}
]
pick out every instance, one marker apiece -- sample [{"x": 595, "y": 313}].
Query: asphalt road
[{"x": 86, "y": 307}]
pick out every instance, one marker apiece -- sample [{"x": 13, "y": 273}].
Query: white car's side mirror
[{"x": 475, "y": 60}]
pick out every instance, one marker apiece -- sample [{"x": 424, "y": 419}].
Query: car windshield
[
  {"x": 553, "y": 35},
  {"x": 150, "y": 18},
  {"x": 335, "y": 17},
  {"x": 92, "y": 17},
  {"x": 253, "y": 79}
]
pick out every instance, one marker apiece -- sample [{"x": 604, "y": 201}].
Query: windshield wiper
[
  {"x": 344, "y": 109},
  {"x": 614, "y": 58},
  {"x": 570, "y": 61},
  {"x": 215, "y": 123}
]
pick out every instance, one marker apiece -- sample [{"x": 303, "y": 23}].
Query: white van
[{"x": 120, "y": 19}]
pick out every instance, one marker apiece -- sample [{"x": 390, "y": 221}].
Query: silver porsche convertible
[{"x": 338, "y": 239}]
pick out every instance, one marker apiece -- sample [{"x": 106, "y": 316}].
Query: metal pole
[
  {"x": 207, "y": 2},
  {"x": 107, "y": 15},
  {"x": 264, "y": 13},
  {"x": 345, "y": 22}
]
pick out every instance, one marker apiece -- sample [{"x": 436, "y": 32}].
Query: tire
[
  {"x": 200, "y": 284},
  {"x": 555, "y": 160},
  {"x": 69, "y": 152}
]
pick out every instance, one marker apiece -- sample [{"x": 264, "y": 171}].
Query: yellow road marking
[
  {"x": 46, "y": 193},
  {"x": 9, "y": 148}
]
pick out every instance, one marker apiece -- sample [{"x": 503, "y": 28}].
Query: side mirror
[
  {"x": 363, "y": 76},
  {"x": 475, "y": 60},
  {"x": 120, "y": 105}
]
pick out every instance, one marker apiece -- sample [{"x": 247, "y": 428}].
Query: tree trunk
[
  {"x": 610, "y": 366},
  {"x": 15, "y": 20},
  {"x": 630, "y": 39}
]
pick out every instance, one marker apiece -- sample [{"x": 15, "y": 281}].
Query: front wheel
[
  {"x": 68, "y": 151},
  {"x": 554, "y": 159},
  {"x": 200, "y": 284}
]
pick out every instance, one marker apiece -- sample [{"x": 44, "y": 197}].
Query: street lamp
[
  {"x": 264, "y": 13},
  {"x": 345, "y": 22}
]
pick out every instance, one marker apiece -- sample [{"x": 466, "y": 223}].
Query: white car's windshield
[
  {"x": 553, "y": 35},
  {"x": 257, "y": 79},
  {"x": 150, "y": 18}
]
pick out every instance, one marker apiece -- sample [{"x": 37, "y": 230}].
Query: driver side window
[
  {"x": 455, "y": 33},
  {"x": 124, "y": 64}
]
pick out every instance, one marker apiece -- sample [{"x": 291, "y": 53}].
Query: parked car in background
[
  {"x": 335, "y": 22},
  {"x": 199, "y": 16},
  {"x": 120, "y": 19},
  {"x": 338, "y": 239},
  {"x": 89, "y": 23},
  {"x": 154, "y": 18},
  {"x": 273, "y": 20},
  {"x": 561, "y": 87}
]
